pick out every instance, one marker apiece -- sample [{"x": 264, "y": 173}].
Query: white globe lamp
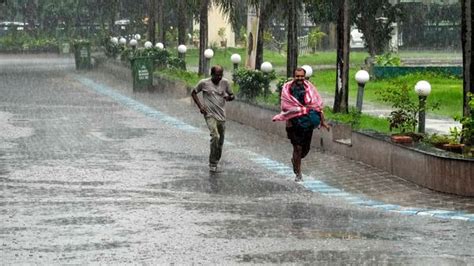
[
  {"x": 182, "y": 49},
  {"x": 208, "y": 53},
  {"x": 235, "y": 58},
  {"x": 308, "y": 69},
  {"x": 266, "y": 67},
  {"x": 133, "y": 43},
  {"x": 423, "y": 88},
  {"x": 160, "y": 46},
  {"x": 362, "y": 76},
  {"x": 148, "y": 44}
]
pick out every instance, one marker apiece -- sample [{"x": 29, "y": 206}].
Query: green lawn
[
  {"x": 446, "y": 90},
  {"x": 222, "y": 57}
]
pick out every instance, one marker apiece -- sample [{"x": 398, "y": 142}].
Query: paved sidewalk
[{"x": 327, "y": 174}]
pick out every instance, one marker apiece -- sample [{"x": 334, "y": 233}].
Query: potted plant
[
  {"x": 404, "y": 117},
  {"x": 404, "y": 123},
  {"x": 438, "y": 140},
  {"x": 454, "y": 144}
]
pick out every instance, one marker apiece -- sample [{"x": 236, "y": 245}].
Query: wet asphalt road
[{"x": 92, "y": 173}]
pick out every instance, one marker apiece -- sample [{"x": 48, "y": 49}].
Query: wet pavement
[{"x": 93, "y": 173}]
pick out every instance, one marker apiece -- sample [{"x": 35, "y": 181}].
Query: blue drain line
[{"x": 274, "y": 166}]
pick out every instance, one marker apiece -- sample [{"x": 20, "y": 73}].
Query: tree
[
  {"x": 341, "y": 97},
  {"x": 182, "y": 21},
  {"x": 292, "y": 38},
  {"x": 373, "y": 18},
  {"x": 267, "y": 8},
  {"x": 466, "y": 38},
  {"x": 161, "y": 22},
  {"x": 203, "y": 34},
  {"x": 152, "y": 21}
]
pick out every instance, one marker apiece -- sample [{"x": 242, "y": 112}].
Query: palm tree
[
  {"x": 182, "y": 21},
  {"x": 341, "y": 96},
  {"x": 203, "y": 34},
  {"x": 466, "y": 37},
  {"x": 152, "y": 20},
  {"x": 292, "y": 37},
  {"x": 161, "y": 21},
  {"x": 266, "y": 8}
]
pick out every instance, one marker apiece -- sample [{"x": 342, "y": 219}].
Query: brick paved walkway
[{"x": 350, "y": 176}]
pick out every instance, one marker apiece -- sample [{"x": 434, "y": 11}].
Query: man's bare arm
[{"x": 202, "y": 109}]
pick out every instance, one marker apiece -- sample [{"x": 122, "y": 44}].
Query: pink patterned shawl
[{"x": 291, "y": 107}]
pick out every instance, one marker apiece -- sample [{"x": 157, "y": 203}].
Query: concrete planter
[{"x": 437, "y": 170}]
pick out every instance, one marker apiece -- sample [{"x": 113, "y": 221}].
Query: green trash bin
[
  {"x": 82, "y": 55},
  {"x": 142, "y": 73}
]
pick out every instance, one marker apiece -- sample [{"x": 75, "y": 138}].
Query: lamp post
[
  {"x": 266, "y": 68},
  {"x": 122, "y": 41},
  {"x": 423, "y": 89},
  {"x": 148, "y": 45},
  {"x": 361, "y": 77},
  {"x": 208, "y": 54},
  {"x": 235, "y": 59},
  {"x": 133, "y": 43},
  {"x": 308, "y": 71},
  {"x": 160, "y": 46},
  {"x": 182, "y": 54},
  {"x": 137, "y": 37},
  {"x": 182, "y": 51},
  {"x": 114, "y": 40}
]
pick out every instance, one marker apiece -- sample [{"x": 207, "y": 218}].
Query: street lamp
[
  {"x": 235, "y": 58},
  {"x": 308, "y": 71},
  {"x": 122, "y": 41},
  {"x": 148, "y": 44},
  {"x": 182, "y": 51},
  {"x": 423, "y": 89},
  {"x": 133, "y": 43},
  {"x": 137, "y": 37},
  {"x": 160, "y": 46},
  {"x": 266, "y": 67},
  {"x": 361, "y": 77},
  {"x": 208, "y": 54},
  {"x": 114, "y": 40}
]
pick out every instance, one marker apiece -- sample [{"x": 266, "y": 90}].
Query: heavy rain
[{"x": 121, "y": 143}]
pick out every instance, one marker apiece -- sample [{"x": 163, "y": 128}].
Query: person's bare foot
[{"x": 299, "y": 178}]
